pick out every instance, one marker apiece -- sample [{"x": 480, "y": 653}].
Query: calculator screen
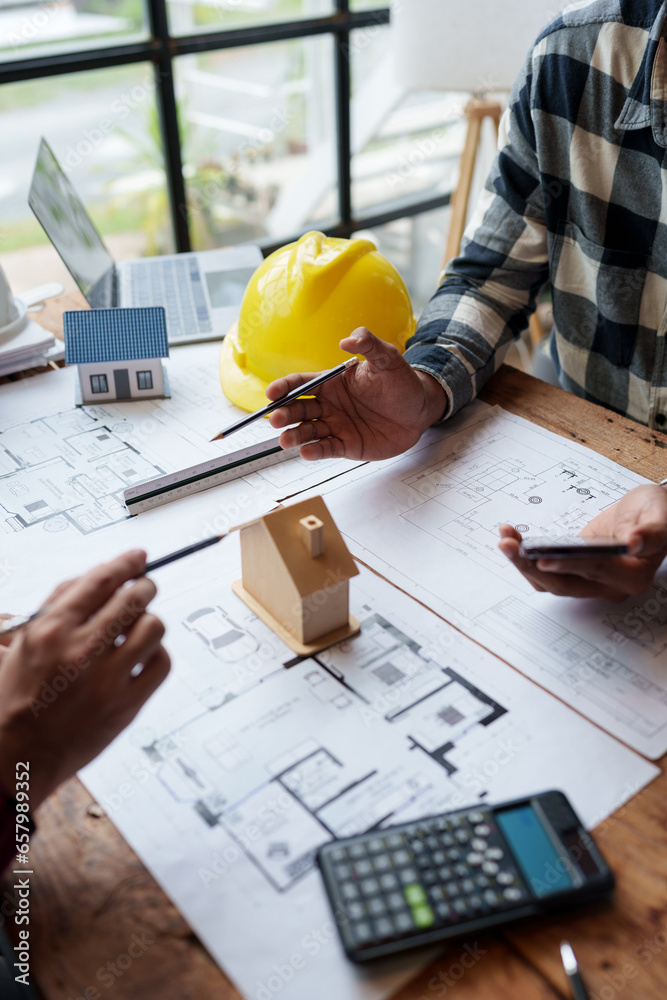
[{"x": 535, "y": 853}]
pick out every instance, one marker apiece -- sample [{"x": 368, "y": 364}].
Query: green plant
[{"x": 206, "y": 178}]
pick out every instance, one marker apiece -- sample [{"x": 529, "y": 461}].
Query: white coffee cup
[{"x": 6, "y": 301}]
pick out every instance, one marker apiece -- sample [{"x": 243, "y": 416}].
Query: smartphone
[
  {"x": 460, "y": 873},
  {"x": 571, "y": 547}
]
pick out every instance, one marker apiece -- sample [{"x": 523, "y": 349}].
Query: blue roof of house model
[{"x": 95, "y": 335}]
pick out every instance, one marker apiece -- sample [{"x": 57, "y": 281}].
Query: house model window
[
  {"x": 144, "y": 380},
  {"x": 98, "y": 383}
]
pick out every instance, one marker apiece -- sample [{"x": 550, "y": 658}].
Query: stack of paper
[{"x": 30, "y": 347}]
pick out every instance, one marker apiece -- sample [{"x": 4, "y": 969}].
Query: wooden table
[{"x": 92, "y": 894}]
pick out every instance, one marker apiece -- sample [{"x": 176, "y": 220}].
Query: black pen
[
  {"x": 572, "y": 968},
  {"x": 11, "y": 625},
  {"x": 302, "y": 390}
]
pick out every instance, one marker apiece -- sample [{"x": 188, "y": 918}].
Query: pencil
[
  {"x": 180, "y": 553},
  {"x": 11, "y": 625},
  {"x": 302, "y": 390}
]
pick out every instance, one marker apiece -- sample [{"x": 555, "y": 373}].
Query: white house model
[{"x": 119, "y": 353}]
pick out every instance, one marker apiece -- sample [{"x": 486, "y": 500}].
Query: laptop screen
[{"x": 66, "y": 222}]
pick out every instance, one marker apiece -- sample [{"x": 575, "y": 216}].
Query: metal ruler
[{"x": 197, "y": 478}]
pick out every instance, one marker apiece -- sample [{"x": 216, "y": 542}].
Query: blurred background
[{"x": 266, "y": 118}]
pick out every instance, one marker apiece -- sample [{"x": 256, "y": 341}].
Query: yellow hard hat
[{"x": 300, "y": 302}]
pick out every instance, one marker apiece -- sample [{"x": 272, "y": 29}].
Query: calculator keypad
[{"x": 424, "y": 876}]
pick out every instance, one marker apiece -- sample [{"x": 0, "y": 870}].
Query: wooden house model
[
  {"x": 119, "y": 353},
  {"x": 296, "y": 571}
]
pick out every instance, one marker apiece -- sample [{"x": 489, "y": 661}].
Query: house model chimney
[{"x": 312, "y": 535}]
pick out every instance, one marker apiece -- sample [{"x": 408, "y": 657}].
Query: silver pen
[{"x": 571, "y": 966}]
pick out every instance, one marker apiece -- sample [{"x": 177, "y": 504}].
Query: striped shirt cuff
[{"x": 447, "y": 370}]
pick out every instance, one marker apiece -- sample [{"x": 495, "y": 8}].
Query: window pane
[
  {"x": 259, "y": 140},
  {"x": 406, "y": 145},
  {"x": 29, "y": 28},
  {"x": 415, "y": 245},
  {"x": 194, "y": 16},
  {"x": 102, "y": 127}
]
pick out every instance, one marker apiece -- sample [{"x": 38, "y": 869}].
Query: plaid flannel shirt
[{"x": 577, "y": 196}]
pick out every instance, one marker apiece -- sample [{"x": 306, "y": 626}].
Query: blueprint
[
  {"x": 441, "y": 505},
  {"x": 241, "y": 767},
  {"x": 64, "y": 468},
  {"x": 248, "y": 758}
]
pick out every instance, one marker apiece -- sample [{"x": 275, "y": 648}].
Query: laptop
[{"x": 201, "y": 292}]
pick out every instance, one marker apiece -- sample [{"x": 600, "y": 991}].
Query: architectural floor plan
[
  {"x": 255, "y": 765},
  {"x": 248, "y": 759},
  {"x": 338, "y": 794},
  {"x": 441, "y": 506},
  {"x": 500, "y": 476},
  {"x": 67, "y": 470}
]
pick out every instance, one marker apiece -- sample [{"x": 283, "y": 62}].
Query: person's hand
[
  {"x": 67, "y": 680},
  {"x": 377, "y": 409},
  {"x": 639, "y": 520}
]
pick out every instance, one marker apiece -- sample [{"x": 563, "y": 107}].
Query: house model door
[{"x": 121, "y": 380}]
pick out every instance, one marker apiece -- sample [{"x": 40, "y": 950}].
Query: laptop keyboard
[{"x": 176, "y": 285}]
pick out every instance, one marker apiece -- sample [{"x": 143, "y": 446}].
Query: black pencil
[
  {"x": 17, "y": 622},
  {"x": 180, "y": 553},
  {"x": 302, "y": 390}
]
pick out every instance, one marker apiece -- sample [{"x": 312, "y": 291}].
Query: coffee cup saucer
[{"x": 17, "y": 313}]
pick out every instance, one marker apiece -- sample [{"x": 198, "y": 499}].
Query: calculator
[{"x": 458, "y": 873}]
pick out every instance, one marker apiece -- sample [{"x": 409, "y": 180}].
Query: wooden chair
[{"x": 476, "y": 110}]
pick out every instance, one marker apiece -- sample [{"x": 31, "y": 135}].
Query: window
[
  {"x": 98, "y": 383},
  {"x": 193, "y": 124},
  {"x": 144, "y": 380}
]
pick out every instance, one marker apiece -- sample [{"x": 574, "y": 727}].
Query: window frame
[
  {"x": 160, "y": 49},
  {"x": 149, "y": 373},
  {"x": 102, "y": 380}
]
